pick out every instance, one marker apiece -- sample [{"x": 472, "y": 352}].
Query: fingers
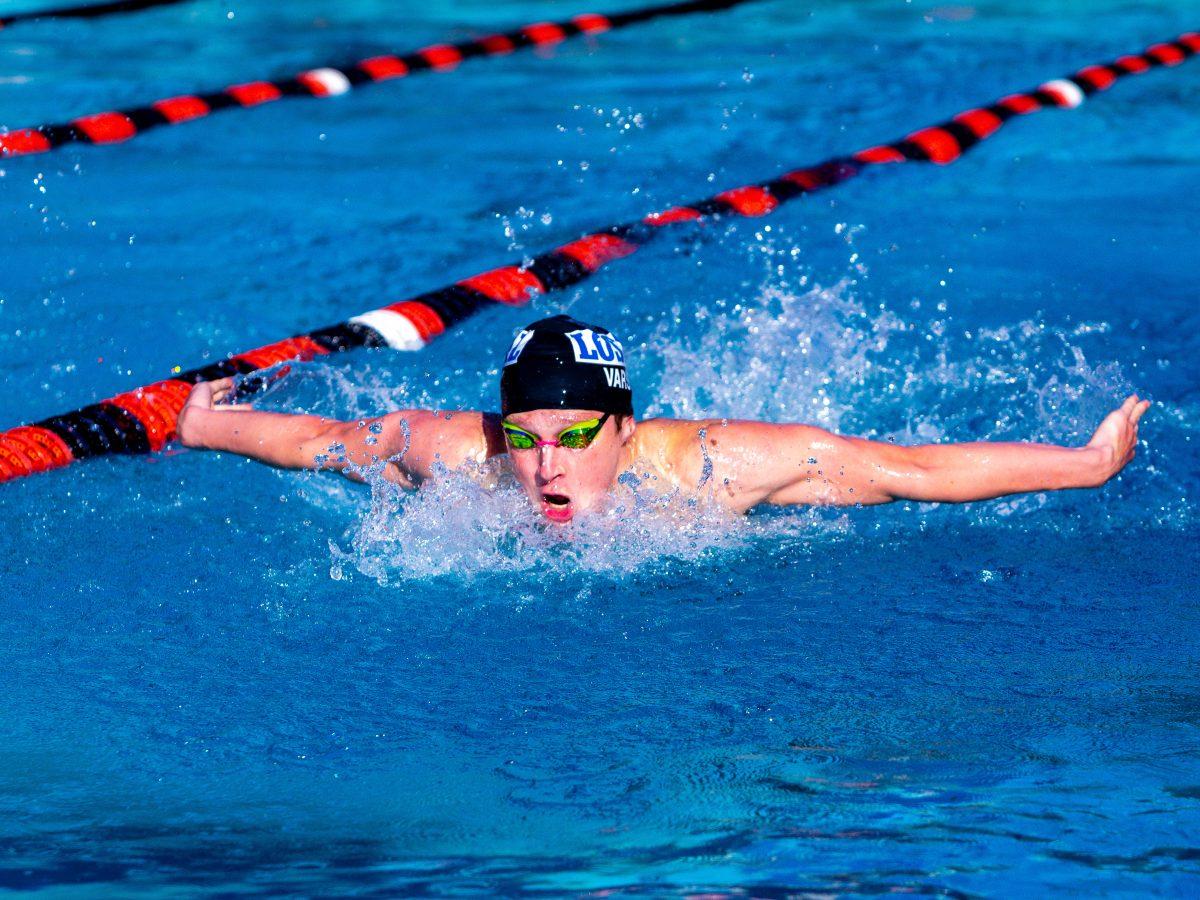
[
  {"x": 1119, "y": 428},
  {"x": 225, "y": 390},
  {"x": 221, "y": 389},
  {"x": 1134, "y": 408},
  {"x": 209, "y": 393},
  {"x": 200, "y": 395},
  {"x": 1135, "y": 416},
  {"x": 1138, "y": 411}
]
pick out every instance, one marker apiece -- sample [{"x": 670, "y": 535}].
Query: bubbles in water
[
  {"x": 478, "y": 522},
  {"x": 516, "y": 225},
  {"x": 788, "y": 351},
  {"x": 779, "y": 357}
]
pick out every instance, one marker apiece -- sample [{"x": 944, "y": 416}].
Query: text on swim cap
[
  {"x": 601, "y": 349},
  {"x": 518, "y": 344},
  {"x": 616, "y": 377}
]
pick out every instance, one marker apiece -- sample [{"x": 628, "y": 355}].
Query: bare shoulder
[
  {"x": 739, "y": 462},
  {"x": 419, "y": 440},
  {"x": 673, "y": 438},
  {"x": 659, "y": 441}
]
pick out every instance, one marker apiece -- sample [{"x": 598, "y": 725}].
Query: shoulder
[
  {"x": 423, "y": 438},
  {"x": 673, "y": 436},
  {"x": 684, "y": 449},
  {"x": 658, "y": 440},
  {"x": 740, "y": 461}
]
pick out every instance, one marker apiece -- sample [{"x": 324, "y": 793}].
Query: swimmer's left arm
[{"x": 756, "y": 463}]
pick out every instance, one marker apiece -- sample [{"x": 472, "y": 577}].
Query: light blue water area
[{"x": 222, "y": 679}]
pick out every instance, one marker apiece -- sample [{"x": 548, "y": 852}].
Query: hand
[
  {"x": 202, "y": 401},
  {"x": 1115, "y": 441}
]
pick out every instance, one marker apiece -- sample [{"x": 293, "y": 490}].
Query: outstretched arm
[
  {"x": 410, "y": 443},
  {"x": 755, "y": 462}
]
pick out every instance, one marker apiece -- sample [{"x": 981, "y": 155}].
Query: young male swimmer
[{"x": 566, "y": 422}]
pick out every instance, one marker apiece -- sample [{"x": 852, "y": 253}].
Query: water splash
[
  {"x": 781, "y": 356},
  {"x": 814, "y": 354},
  {"x": 478, "y": 522},
  {"x": 821, "y": 355}
]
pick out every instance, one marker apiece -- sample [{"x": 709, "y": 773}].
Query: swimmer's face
[{"x": 561, "y": 481}]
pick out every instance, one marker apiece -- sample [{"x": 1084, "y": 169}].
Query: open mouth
[{"x": 557, "y": 507}]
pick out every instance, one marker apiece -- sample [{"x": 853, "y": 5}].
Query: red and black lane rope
[
  {"x": 143, "y": 420},
  {"x": 89, "y": 11},
  {"x": 117, "y": 126}
]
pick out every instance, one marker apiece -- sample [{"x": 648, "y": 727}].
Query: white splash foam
[
  {"x": 781, "y": 356},
  {"x": 818, "y": 355},
  {"x": 479, "y": 522}
]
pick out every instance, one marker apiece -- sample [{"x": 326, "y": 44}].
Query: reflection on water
[{"x": 999, "y": 699}]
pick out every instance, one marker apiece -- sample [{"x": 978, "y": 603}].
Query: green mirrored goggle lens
[
  {"x": 520, "y": 440},
  {"x": 579, "y": 436}
]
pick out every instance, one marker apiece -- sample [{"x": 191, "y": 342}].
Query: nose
[{"x": 549, "y": 463}]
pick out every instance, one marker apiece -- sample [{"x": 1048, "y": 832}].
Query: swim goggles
[{"x": 578, "y": 437}]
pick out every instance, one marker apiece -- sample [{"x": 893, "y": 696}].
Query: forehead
[{"x": 551, "y": 420}]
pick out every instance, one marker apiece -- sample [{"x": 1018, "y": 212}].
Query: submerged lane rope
[
  {"x": 93, "y": 11},
  {"x": 142, "y": 421},
  {"x": 117, "y": 126}
]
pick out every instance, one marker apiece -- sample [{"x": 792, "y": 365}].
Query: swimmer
[{"x": 566, "y": 422}]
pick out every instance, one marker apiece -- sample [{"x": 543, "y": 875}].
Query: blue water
[{"x": 219, "y": 679}]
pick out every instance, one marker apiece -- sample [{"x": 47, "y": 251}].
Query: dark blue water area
[{"x": 223, "y": 680}]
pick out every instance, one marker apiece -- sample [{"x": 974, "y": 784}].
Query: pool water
[{"x": 220, "y": 679}]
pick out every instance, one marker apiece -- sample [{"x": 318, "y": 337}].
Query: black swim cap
[{"x": 559, "y": 363}]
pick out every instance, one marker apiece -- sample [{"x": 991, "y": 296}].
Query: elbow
[
  {"x": 908, "y": 479},
  {"x": 923, "y": 480},
  {"x": 324, "y": 449}
]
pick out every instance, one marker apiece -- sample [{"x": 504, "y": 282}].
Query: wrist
[
  {"x": 1095, "y": 464},
  {"x": 192, "y": 427}
]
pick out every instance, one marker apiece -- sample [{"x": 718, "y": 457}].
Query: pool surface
[{"x": 224, "y": 680}]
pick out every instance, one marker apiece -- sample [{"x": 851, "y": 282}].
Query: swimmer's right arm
[{"x": 410, "y": 443}]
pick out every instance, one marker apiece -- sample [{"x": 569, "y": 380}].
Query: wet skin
[
  {"x": 737, "y": 464},
  {"x": 562, "y": 481}
]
